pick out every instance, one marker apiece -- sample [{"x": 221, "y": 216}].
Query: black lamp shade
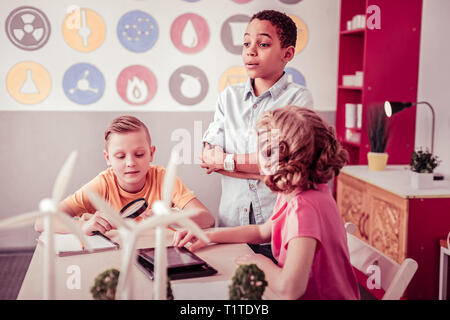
[{"x": 392, "y": 107}]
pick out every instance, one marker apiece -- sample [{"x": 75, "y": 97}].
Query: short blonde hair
[
  {"x": 125, "y": 124},
  {"x": 309, "y": 152}
]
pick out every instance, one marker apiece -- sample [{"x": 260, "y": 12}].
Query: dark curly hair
[
  {"x": 286, "y": 28},
  {"x": 308, "y": 150}
]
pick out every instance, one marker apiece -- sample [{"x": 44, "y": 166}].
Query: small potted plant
[
  {"x": 378, "y": 132},
  {"x": 422, "y": 165},
  {"x": 248, "y": 283}
]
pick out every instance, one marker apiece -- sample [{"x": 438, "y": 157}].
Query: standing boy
[{"x": 230, "y": 140}]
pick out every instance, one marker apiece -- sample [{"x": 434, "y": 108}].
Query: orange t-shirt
[{"x": 107, "y": 186}]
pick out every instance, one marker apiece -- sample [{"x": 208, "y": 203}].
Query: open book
[{"x": 69, "y": 244}]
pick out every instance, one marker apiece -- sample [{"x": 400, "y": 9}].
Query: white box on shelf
[
  {"x": 348, "y": 80},
  {"x": 359, "y": 115},
  {"x": 350, "y": 115},
  {"x": 358, "y": 79},
  {"x": 349, "y": 25}
]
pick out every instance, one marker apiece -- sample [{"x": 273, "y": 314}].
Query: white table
[{"x": 219, "y": 256}]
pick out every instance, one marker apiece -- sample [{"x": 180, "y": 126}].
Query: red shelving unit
[{"x": 389, "y": 60}]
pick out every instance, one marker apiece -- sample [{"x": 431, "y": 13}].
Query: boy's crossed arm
[{"x": 246, "y": 165}]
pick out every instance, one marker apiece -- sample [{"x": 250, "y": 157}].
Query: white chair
[{"x": 393, "y": 278}]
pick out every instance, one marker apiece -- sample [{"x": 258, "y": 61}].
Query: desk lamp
[{"x": 391, "y": 108}]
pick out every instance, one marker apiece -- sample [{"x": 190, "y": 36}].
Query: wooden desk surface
[{"x": 219, "y": 256}]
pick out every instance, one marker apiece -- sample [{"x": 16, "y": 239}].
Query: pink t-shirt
[{"x": 314, "y": 214}]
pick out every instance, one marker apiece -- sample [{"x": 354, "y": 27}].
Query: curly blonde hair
[{"x": 309, "y": 153}]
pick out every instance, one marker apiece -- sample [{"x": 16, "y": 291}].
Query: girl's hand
[
  {"x": 96, "y": 223},
  {"x": 182, "y": 237}
]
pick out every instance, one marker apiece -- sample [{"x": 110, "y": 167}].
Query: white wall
[
  {"x": 434, "y": 81},
  {"x": 317, "y": 62}
]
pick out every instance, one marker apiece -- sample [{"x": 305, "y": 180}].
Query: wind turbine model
[
  {"x": 129, "y": 231},
  {"x": 48, "y": 209}
]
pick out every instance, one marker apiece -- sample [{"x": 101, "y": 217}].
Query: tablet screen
[{"x": 176, "y": 257}]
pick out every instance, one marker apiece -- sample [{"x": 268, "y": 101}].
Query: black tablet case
[{"x": 200, "y": 269}]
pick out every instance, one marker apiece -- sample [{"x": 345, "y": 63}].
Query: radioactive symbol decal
[{"x": 28, "y": 28}]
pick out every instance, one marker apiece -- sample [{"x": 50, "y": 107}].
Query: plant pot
[
  {"x": 377, "y": 161},
  {"x": 421, "y": 180}
]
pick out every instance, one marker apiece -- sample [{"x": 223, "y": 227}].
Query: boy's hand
[
  {"x": 96, "y": 223},
  {"x": 181, "y": 237},
  {"x": 212, "y": 158}
]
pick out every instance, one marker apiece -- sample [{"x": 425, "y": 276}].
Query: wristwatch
[{"x": 228, "y": 163}]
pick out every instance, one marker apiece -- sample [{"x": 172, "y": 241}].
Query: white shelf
[{"x": 396, "y": 179}]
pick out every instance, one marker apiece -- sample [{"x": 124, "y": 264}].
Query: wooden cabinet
[
  {"x": 387, "y": 54},
  {"x": 397, "y": 220}
]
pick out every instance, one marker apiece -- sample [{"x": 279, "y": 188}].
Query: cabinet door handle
[{"x": 360, "y": 224}]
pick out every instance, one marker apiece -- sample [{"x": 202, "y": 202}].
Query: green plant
[
  {"x": 248, "y": 283},
  {"x": 423, "y": 161},
  {"x": 105, "y": 285},
  {"x": 378, "y": 129}
]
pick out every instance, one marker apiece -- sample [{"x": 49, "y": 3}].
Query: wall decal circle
[
  {"x": 188, "y": 85},
  {"x": 232, "y": 33},
  {"x": 232, "y": 76},
  {"x": 189, "y": 33},
  {"x": 302, "y": 33},
  {"x": 83, "y": 83},
  {"x": 83, "y": 29},
  {"x": 28, "y": 28},
  {"x": 137, "y": 31},
  {"x": 136, "y": 85},
  {"x": 28, "y": 82},
  {"x": 295, "y": 76}
]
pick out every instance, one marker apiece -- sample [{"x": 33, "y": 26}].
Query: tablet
[
  {"x": 181, "y": 263},
  {"x": 176, "y": 257}
]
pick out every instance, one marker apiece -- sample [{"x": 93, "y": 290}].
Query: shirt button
[
  {"x": 252, "y": 186},
  {"x": 255, "y": 106}
]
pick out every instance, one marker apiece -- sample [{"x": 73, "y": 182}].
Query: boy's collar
[{"x": 275, "y": 90}]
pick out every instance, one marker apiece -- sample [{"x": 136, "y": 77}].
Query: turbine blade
[
  {"x": 164, "y": 220},
  {"x": 21, "y": 220},
  {"x": 62, "y": 180},
  {"x": 150, "y": 223},
  {"x": 111, "y": 213},
  {"x": 75, "y": 229},
  {"x": 169, "y": 179},
  {"x": 194, "y": 228}
]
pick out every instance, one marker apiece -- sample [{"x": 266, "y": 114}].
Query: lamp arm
[{"x": 432, "y": 123}]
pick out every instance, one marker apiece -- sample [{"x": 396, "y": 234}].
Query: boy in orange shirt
[{"x": 128, "y": 153}]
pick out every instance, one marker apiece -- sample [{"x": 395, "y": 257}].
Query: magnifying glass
[{"x": 134, "y": 208}]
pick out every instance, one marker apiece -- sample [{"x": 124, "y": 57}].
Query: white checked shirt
[{"x": 234, "y": 129}]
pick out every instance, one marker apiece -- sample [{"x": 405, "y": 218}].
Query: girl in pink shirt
[{"x": 298, "y": 155}]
